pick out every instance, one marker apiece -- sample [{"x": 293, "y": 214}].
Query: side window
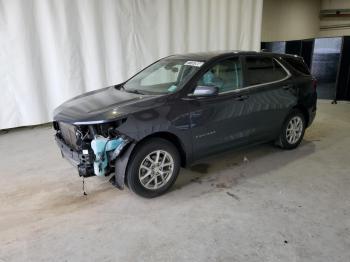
[
  {"x": 262, "y": 70},
  {"x": 226, "y": 75}
]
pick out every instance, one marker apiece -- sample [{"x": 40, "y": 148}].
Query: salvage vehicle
[{"x": 183, "y": 108}]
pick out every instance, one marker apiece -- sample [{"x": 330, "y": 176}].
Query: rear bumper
[
  {"x": 77, "y": 159},
  {"x": 312, "y": 108},
  {"x": 312, "y": 115}
]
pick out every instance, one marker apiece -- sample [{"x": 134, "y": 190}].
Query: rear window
[
  {"x": 298, "y": 65},
  {"x": 262, "y": 70}
]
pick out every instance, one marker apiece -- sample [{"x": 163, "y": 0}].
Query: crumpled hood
[{"x": 103, "y": 105}]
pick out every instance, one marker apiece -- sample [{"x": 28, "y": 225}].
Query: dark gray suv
[{"x": 182, "y": 108}]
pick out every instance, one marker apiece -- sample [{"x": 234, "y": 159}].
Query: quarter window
[
  {"x": 226, "y": 75},
  {"x": 298, "y": 64},
  {"x": 262, "y": 70}
]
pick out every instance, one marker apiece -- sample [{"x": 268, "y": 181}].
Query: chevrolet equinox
[{"x": 183, "y": 108}]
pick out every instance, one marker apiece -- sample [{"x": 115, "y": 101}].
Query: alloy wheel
[
  {"x": 294, "y": 129},
  {"x": 156, "y": 169}
]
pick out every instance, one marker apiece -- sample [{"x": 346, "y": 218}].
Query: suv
[{"x": 183, "y": 108}]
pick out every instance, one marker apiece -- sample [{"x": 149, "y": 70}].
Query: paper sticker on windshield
[{"x": 194, "y": 63}]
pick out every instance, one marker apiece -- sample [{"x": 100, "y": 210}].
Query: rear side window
[
  {"x": 261, "y": 70},
  {"x": 298, "y": 65}
]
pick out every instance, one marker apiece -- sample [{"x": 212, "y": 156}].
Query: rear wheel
[
  {"x": 292, "y": 131},
  {"x": 153, "y": 168}
]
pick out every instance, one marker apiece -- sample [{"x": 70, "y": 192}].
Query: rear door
[{"x": 271, "y": 92}]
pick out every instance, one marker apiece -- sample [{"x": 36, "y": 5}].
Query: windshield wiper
[{"x": 134, "y": 91}]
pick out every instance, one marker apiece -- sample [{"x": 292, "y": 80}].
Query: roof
[
  {"x": 211, "y": 54},
  {"x": 205, "y": 56}
]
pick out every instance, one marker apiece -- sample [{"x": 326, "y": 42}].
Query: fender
[{"x": 121, "y": 164}]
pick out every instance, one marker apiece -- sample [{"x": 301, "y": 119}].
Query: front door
[{"x": 219, "y": 122}]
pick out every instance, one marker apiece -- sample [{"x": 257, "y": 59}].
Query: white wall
[
  {"x": 335, "y": 4},
  {"x": 290, "y": 19},
  {"x": 299, "y": 19}
]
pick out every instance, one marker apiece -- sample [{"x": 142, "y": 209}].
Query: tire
[
  {"x": 153, "y": 178},
  {"x": 292, "y": 131}
]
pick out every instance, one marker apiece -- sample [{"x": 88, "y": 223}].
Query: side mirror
[{"x": 205, "y": 91}]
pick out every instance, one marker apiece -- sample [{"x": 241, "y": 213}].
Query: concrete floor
[{"x": 277, "y": 206}]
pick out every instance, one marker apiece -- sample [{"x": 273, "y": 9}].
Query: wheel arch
[
  {"x": 122, "y": 162},
  {"x": 172, "y": 138},
  {"x": 305, "y": 113}
]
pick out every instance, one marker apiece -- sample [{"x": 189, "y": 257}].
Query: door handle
[
  {"x": 241, "y": 98},
  {"x": 287, "y": 87}
]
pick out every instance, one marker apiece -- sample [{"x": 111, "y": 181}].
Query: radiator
[{"x": 68, "y": 134}]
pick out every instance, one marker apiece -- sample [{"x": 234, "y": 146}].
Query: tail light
[{"x": 314, "y": 83}]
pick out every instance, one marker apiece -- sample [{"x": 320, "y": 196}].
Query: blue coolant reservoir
[{"x": 101, "y": 145}]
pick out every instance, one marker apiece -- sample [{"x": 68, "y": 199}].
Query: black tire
[
  {"x": 284, "y": 140},
  {"x": 139, "y": 157}
]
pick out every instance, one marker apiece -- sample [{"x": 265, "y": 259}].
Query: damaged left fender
[{"x": 121, "y": 165}]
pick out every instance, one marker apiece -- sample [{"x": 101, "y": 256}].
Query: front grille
[{"x": 68, "y": 134}]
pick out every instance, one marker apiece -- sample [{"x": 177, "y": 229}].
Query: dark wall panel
[
  {"x": 293, "y": 47},
  {"x": 275, "y": 47},
  {"x": 307, "y": 49},
  {"x": 325, "y": 65},
  {"x": 343, "y": 81}
]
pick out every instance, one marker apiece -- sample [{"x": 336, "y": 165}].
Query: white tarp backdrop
[{"x": 53, "y": 50}]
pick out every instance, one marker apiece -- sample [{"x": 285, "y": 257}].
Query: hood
[{"x": 103, "y": 105}]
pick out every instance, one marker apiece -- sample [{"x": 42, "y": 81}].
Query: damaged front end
[{"x": 93, "y": 149}]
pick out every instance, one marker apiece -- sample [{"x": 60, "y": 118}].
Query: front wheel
[
  {"x": 292, "y": 131},
  {"x": 153, "y": 168}
]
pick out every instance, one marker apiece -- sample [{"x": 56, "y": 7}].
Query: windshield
[{"x": 165, "y": 76}]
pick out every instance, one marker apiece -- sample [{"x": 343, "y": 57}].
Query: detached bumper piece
[{"x": 82, "y": 161}]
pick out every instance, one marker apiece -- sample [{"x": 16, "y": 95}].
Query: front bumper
[{"x": 77, "y": 159}]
